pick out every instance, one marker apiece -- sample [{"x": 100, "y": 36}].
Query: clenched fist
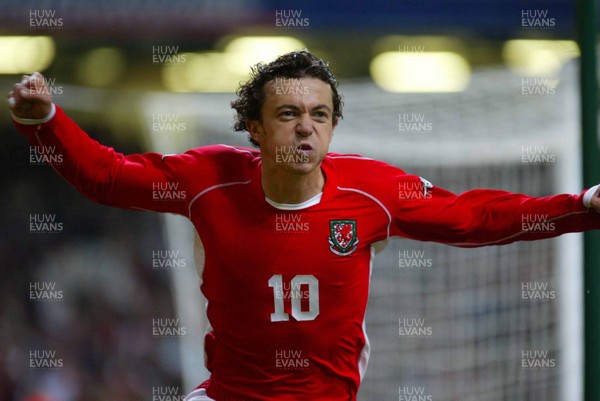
[{"x": 30, "y": 98}]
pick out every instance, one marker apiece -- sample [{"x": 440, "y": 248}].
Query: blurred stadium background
[{"x": 467, "y": 94}]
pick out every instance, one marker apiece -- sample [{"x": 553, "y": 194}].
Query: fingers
[
  {"x": 19, "y": 92},
  {"x": 10, "y": 98},
  {"x": 26, "y": 87},
  {"x": 34, "y": 81},
  {"x": 31, "y": 97},
  {"x": 11, "y": 101},
  {"x": 32, "y": 88},
  {"x": 29, "y": 86}
]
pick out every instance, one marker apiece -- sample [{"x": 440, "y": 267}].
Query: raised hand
[{"x": 30, "y": 98}]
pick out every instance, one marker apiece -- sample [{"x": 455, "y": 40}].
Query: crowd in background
[{"x": 96, "y": 335}]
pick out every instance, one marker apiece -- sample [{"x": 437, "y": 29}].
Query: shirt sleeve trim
[
  {"x": 36, "y": 121},
  {"x": 589, "y": 194}
]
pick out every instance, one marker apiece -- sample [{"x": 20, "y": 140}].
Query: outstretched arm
[
  {"x": 143, "y": 181},
  {"x": 489, "y": 217}
]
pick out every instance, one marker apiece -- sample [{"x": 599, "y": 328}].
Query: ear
[{"x": 255, "y": 129}]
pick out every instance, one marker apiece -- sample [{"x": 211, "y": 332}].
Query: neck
[{"x": 285, "y": 187}]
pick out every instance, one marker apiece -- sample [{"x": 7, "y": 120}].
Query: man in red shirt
[{"x": 289, "y": 230}]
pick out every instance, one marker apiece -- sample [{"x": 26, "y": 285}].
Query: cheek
[
  {"x": 326, "y": 134},
  {"x": 281, "y": 132}
]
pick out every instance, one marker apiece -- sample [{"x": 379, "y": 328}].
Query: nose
[{"x": 304, "y": 127}]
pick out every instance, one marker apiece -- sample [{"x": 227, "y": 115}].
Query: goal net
[{"x": 444, "y": 323}]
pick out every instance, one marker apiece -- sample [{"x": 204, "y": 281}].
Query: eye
[
  {"x": 321, "y": 115},
  {"x": 287, "y": 113}
]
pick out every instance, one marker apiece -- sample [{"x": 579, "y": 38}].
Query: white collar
[{"x": 296, "y": 206}]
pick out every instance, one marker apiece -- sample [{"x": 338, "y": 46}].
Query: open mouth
[{"x": 304, "y": 147}]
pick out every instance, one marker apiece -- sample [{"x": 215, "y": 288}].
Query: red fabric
[
  {"x": 314, "y": 263},
  {"x": 204, "y": 384}
]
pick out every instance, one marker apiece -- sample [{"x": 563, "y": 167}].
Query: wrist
[{"x": 35, "y": 121}]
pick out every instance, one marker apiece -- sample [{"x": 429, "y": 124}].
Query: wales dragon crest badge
[{"x": 343, "y": 240}]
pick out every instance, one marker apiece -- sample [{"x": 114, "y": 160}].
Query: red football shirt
[{"x": 287, "y": 286}]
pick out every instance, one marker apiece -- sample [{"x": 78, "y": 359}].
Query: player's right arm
[{"x": 140, "y": 181}]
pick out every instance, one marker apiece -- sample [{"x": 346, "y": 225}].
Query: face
[{"x": 297, "y": 124}]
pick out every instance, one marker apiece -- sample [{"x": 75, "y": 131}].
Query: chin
[{"x": 303, "y": 168}]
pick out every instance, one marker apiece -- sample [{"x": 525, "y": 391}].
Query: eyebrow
[{"x": 294, "y": 107}]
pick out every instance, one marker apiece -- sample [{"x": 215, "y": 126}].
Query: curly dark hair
[{"x": 296, "y": 64}]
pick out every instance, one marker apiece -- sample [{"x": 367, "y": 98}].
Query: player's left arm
[{"x": 489, "y": 217}]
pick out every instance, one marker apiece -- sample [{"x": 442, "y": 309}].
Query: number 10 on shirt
[{"x": 295, "y": 297}]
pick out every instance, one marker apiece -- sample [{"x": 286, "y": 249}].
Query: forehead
[{"x": 307, "y": 90}]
